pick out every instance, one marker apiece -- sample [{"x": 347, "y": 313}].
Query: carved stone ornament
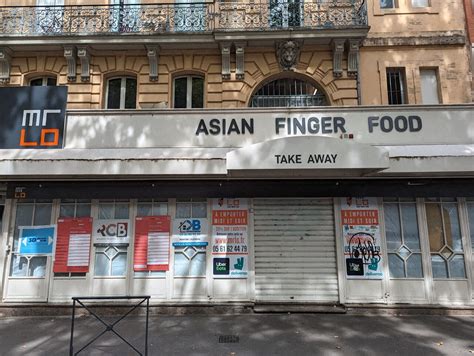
[{"x": 288, "y": 54}]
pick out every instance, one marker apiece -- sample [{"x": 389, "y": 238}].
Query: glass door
[{"x": 29, "y": 265}]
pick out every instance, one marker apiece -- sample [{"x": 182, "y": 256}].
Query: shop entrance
[
  {"x": 29, "y": 262},
  {"x": 295, "y": 250}
]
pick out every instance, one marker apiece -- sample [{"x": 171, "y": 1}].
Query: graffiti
[{"x": 363, "y": 245}]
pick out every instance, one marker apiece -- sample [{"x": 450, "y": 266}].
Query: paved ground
[{"x": 258, "y": 334}]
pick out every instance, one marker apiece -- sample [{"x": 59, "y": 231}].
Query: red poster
[
  {"x": 73, "y": 245},
  {"x": 360, "y": 217},
  {"x": 152, "y": 241},
  {"x": 229, "y": 217}
]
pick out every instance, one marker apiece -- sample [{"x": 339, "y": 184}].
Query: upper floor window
[
  {"x": 396, "y": 86},
  {"x": 420, "y": 3},
  {"x": 388, "y": 4},
  {"x": 288, "y": 92},
  {"x": 429, "y": 86},
  {"x": 121, "y": 93},
  {"x": 43, "y": 81},
  {"x": 188, "y": 92}
]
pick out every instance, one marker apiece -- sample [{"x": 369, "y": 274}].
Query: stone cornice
[{"x": 454, "y": 38}]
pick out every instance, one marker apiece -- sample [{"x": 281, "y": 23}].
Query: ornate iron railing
[{"x": 180, "y": 17}]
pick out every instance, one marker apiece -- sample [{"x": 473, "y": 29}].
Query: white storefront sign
[
  {"x": 239, "y": 128},
  {"x": 111, "y": 231}
]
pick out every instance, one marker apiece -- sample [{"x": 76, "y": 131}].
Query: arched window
[
  {"x": 188, "y": 92},
  {"x": 43, "y": 81},
  {"x": 288, "y": 92},
  {"x": 121, "y": 93}
]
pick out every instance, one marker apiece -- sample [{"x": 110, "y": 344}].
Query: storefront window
[
  {"x": 191, "y": 208},
  {"x": 29, "y": 213},
  {"x": 151, "y": 207},
  {"x": 444, "y": 232},
  {"x": 111, "y": 259},
  {"x": 470, "y": 213},
  {"x": 72, "y": 208},
  {"x": 190, "y": 261},
  {"x": 403, "y": 239}
]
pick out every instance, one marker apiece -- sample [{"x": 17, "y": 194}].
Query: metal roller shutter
[{"x": 295, "y": 252}]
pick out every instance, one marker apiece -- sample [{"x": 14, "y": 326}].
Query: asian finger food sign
[
  {"x": 361, "y": 235},
  {"x": 230, "y": 238}
]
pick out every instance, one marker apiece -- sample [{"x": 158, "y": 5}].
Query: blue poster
[{"x": 36, "y": 240}]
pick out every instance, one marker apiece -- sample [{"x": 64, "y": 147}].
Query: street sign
[{"x": 36, "y": 240}]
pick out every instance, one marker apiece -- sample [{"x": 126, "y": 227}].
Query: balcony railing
[{"x": 179, "y": 18}]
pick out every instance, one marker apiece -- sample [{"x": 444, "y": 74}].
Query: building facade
[{"x": 257, "y": 152}]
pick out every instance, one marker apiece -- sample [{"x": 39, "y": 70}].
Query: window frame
[
  {"x": 15, "y": 238},
  {"x": 438, "y": 87},
  {"x": 44, "y": 81},
  {"x": 402, "y": 82},
  {"x": 440, "y": 202},
  {"x": 123, "y": 92},
  {"x": 394, "y": 2},
  {"x": 189, "y": 90},
  {"x": 400, "y": 202}
]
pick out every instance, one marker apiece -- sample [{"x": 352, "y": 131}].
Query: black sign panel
[
  {"x": 355, "y": 267},
  {"x": 32, "y": 117},
  {"x": 221, "y": 266}
]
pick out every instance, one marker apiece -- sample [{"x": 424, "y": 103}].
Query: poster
[
  {"x": 36, "y": 240},
  {"x": 361, "y": 235},
  {"x": 190, "y": 232},
  {"x": 73, "y": 245},
  {"x": 230, "y": 238},
  {"x": 111, "y": 231},
  {"x": 152, "y": 241}
]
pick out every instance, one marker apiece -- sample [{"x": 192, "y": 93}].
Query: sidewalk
[{"x": 257, "y": 334}]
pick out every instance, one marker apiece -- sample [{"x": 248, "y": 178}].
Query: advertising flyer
[
  {"x": 361, "y": 235},
  {"x": 190, "y": 232},
  {"x": 73, "y": 245},
  {"x": 152, "y": 243},
  {"x": 36, "y": 240},
  {"x": 230, "y": 237}
]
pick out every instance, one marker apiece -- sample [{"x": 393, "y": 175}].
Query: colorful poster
[
  {"x": 361, "y": 235},
  {"x": 111, "y": 231},
  {"x": 152, "y": 241},
  {"x": 73, "y": 245},
  {"x": 230, "y": 237},
  {"x": 36, "y": 240},
  {"x": 190, "y": 232}
]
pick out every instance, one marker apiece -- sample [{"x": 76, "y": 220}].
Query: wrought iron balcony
[{"x": 178, "y": 18}]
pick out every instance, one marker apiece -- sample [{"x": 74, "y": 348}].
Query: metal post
[
  {"x": 71, "y": 344},
  {"x": 146, "y": 326}
]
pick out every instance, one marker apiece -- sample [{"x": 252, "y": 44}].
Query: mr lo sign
[{"x": 32, "y": 117}]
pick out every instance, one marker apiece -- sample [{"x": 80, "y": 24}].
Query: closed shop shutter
[{"x": 295, "y": 252}]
